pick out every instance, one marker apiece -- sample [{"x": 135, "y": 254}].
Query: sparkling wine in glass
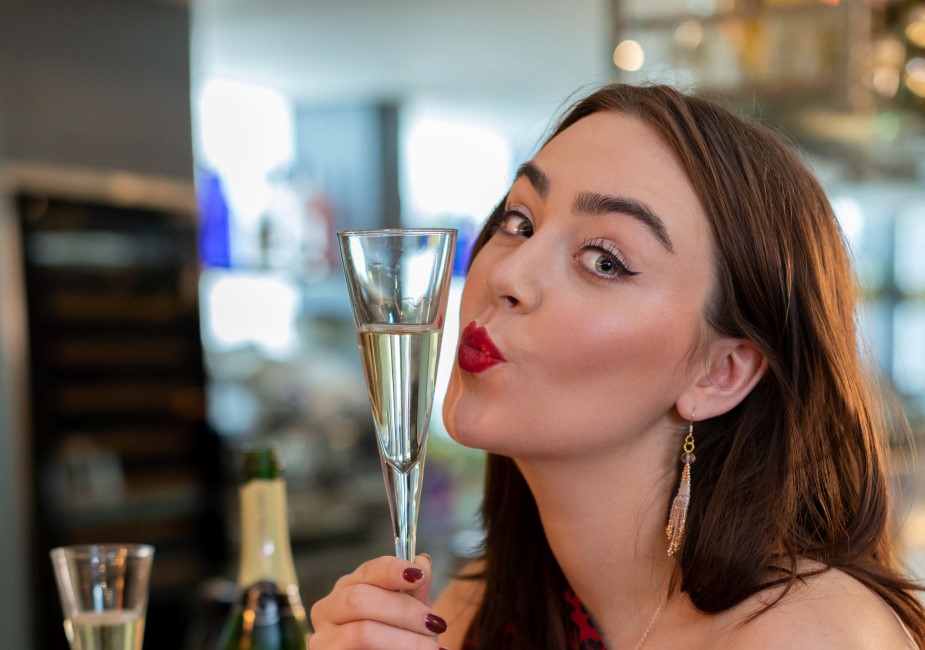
[
  {"x": 104, "y": 594},
  {"x": 399, "y": 282}
]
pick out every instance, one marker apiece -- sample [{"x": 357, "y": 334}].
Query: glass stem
[{"x": 404, "y": 491}]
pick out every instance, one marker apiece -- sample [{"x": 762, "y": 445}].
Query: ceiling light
[
  {"x": 915, "y": 30},
  {"x": 915, "y": 76},
  {"x": 689, "y": 34},
  {"x": 629, "y": 56}
]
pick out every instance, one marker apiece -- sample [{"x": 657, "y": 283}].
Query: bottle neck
[{"x": 265, "y": 550}]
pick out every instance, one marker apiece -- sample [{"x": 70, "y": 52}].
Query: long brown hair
[{"x": 795, "y": 471}]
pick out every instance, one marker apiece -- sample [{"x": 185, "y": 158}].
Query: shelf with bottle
[{"x": 774, "y": 52}]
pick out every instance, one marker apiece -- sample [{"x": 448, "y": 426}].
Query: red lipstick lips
[{"x": 477, "y": 352}]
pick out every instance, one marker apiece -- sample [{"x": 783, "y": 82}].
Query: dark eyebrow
[
  {"x": 592, "y": 203},
  {"x": 537, "y": 177}
]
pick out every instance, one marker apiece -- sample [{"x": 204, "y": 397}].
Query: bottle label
[{"x": 265, "y": 550}]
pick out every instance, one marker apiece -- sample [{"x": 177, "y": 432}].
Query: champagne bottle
[{"x": 269, "y": 614}]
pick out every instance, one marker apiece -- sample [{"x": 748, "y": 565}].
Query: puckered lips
[{"x": 477, "y": 352}]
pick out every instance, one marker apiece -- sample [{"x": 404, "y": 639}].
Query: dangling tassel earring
[{"x": 682, "y": 499}]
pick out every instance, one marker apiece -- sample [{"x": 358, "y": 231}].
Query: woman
[{"x": 663, "y": 281}]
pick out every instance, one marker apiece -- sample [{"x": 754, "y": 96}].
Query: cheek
[
  {"x": 605, "y": 347},
  {"x": 614, "y": 367}
]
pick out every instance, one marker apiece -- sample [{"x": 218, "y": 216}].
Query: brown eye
[{"x": 516, "y": 223}]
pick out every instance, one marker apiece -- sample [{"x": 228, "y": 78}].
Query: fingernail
[
  {"x": 412, "y": 574},
  {"x": 435, "y": 624}
]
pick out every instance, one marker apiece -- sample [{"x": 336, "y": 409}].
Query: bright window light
[
  {"x": 850, "y": 216},
  {"x": 243, "y": 125},
  {"x": 249, "y": 310},
  {"x": 908, "y": 353},
  {"x": 454, "y": 168},
  {"x": 910, "y": 242},
  {"x": 244, "y": 132}
]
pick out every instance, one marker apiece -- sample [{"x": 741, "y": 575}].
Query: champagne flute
[
  {"x": 104, "y": 594},
  {"x": 399, "y": 282}
]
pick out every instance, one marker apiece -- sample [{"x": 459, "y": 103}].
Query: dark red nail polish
[
  {"x": 412, "y": 574},
  {"x": 435, "y": 624}
]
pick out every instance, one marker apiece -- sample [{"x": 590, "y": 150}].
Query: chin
[
  {"x": 470, "y": 421},
  {"x": 460, "y": 424},
  {"x": 451, "y": 415},
  {"x": 451, "y": 402},
  {"x": 467, "y": 428}
]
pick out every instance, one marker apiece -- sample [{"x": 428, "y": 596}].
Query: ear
[{"x": 731, "y": 369}]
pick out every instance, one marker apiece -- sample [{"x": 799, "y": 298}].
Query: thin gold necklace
[{"x": 649, "y": 626}]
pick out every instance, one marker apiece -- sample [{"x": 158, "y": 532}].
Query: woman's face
[{"x": 583, "y": 311}]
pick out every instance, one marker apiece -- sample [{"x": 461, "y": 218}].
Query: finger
[
  {"x": 360, "y": 602},
  {"x": 421, "y": 590},
  {"x": 370, "y": 635},
  {"x": 387, "y": 573}
]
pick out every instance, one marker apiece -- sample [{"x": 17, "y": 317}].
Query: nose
[{"x": 516, "y": 279}]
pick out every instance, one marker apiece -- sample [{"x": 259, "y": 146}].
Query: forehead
[
  {"x": 610, "y": 147},
  {"x": 617, "y": 154}
]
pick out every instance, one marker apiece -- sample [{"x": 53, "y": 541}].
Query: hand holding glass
[
  {"x": 399, "y": 282},
  {"x": 104, "y": 594}
]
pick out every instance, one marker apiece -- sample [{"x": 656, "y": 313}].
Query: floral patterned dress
[{"x": 583, "y": 635}]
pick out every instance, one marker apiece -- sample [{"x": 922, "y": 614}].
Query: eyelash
[
  {"x": 612, "y": 254},
  {"x": 597, "y": 243}
]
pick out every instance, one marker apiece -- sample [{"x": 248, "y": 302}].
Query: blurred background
[{"x": 173, "y": 173}]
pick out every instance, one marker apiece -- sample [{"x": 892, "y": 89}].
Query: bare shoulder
[
  {"x": 831, "y": 610},
  {"x": 458, "y": 603}
]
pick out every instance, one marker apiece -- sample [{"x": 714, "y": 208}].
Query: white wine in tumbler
[
  {"x": 107, "y": 630},
  {"x": 400, "y": 364}
]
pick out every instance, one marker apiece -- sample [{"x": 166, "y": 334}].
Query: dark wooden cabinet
[{"x": 120, "y": 445}]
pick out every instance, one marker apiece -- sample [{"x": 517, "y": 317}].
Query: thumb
[{"x": 422, "y": 591}]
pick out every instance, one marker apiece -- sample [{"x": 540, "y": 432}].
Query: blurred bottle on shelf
[{"x": 269, "y": 614}]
